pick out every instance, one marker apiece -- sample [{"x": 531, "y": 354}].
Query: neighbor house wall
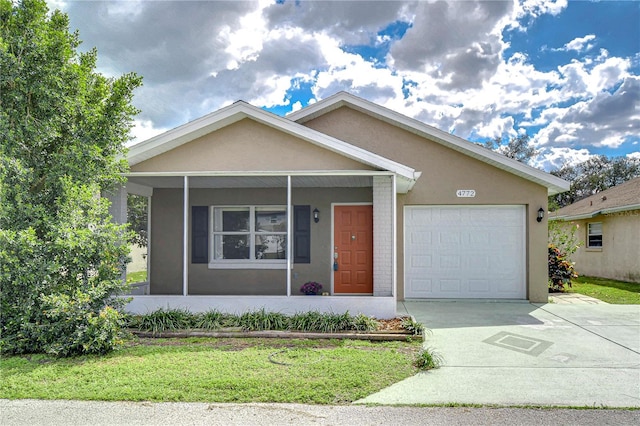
[
  {"x": 444, "y": 171},
  {"x": 166, "y": 241},
  {"x": 619, "y": 257}
]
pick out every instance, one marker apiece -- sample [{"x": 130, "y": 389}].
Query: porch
[{"x": 190, "y": 266}]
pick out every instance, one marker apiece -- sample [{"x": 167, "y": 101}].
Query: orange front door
[{"x": 353, "y": 249}]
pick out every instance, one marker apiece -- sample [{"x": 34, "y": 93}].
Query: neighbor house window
[
  {"x": 249, "y": 236},
  {"x": 594, "y": 235}
]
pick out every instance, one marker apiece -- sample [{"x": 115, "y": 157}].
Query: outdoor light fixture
[
  {"x": 316, "y": 215},
  {"x": 540, "y": 214}
]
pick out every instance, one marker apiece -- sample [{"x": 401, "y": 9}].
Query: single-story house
[
  {"x": 246, "y": 206},
  {"x": 608, "y": 230}
]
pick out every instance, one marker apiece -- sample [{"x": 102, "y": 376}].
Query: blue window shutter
[
  {"x": 302, "y": 234},
  {"x": 199, "y": 234}
]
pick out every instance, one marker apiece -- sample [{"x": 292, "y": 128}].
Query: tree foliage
[
  {"x": 137, "y": 218},
  {"x": 63, "y": 128},
  {"x": 518, "y": 148},
  {"x": 592, "y": 176}
]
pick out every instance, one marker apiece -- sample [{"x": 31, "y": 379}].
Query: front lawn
[
  {"x": 136, "y": 277},
  {"x": 610, "y": 291},
  {"x": 215, "y": 370}
]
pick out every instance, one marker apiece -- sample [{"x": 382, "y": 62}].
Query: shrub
[
  {"x": 260, "y": 320},
  {"x": 306, "y": 321},
  {"x": 560, "y": 269},
  {"x": 211, "y": 320},
  {"x": 428, "y": 359},
  {"x": 413, "y": 326},
  {"x": 313, "y": 321},
  {"x": 166, "y": 320},
  {"x": 58, "y": 291},
  {"x": 361, "y": 322}
]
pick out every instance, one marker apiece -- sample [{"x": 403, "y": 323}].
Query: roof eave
[
  {"x": 554, "y": 184},
  {"x": 240, "y": 110}
]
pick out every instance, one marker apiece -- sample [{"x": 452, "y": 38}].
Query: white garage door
[{"x": 471, "y": 252}]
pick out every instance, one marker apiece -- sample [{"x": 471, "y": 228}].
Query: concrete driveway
[{"x": 525, "y": 354}]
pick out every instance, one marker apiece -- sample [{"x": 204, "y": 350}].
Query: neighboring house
[
  {"x": 609, "y": 232},
  {"x": 404, "y": 211}
]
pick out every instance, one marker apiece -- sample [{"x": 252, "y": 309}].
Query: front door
[{"x": 353, "y": 249}]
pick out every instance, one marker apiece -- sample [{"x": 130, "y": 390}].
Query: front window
[
  {"x": 594, "y": 235},
  {"x": 249, "y": 235}
]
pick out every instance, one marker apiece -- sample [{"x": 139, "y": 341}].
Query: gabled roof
[
  {"x": 623, "y": 197},
  {"x": 554, "y": 184},
  {"x": 241, "y": 110}
]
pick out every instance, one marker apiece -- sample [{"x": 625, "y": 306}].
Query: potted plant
[{"x": 311, "y": 288}]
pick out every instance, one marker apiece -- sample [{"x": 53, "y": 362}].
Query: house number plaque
[{"x": 466, "y": 193}]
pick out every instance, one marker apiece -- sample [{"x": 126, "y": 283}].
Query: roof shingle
[{"x": 625, "y": 196}]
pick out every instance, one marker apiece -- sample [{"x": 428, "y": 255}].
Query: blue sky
[{"x": 565, "y": 73}]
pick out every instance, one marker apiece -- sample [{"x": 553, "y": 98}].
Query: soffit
[{"x": 230, "y": 182}]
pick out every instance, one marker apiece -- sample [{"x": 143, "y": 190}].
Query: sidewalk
[
  {"x": 96, "y": 413},
  {"x": 573, "y": 298}
]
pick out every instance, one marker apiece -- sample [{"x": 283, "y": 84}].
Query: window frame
[
  {"x": 596, "y": 234},
  {"x": 251, "y": 233}
]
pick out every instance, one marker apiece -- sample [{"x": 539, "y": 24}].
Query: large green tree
[
  {"x": 63, "y": 129},
  {"x": 519, "y": 148},
  {"x": 592, "y": 176}
]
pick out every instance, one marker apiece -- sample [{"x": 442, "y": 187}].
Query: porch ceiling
[{"x": 254, "y": 181}]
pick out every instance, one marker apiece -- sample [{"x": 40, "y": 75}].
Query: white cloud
[
  {"x": 556, "y": 158},
  {"x": 449, "y": 70},
  {"x": 143, "y": 130},
  {"x": 579, "y": 44}
]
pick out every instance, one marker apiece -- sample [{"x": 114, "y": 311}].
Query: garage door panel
[
  {"x": 449, "y": 286},
  {"x": 418, "y": 262},
  {"x": 420, "y": 237},
  {"x": 479, "y": 286},
  {"x": 465, "y": 252},
  {"x": 420, "y": 286}
]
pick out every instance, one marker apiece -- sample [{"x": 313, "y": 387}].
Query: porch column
[
  {"x": 185, "y": 238},
  {"x": 384, "y": 240},
  {"x": 118, "y": 211},
  {"x": 118, "y": 207},
  {"x": 289, "y": 235}
]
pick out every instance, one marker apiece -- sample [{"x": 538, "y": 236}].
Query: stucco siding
[
  {"x": 619, "y": 257},
  {"x": 247, "y": 145},
  {"x": 444, "y": 171}
]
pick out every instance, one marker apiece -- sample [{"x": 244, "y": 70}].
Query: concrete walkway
[
  {"x": 525, "y": 354},
  {"x": 574, "y": 299}
]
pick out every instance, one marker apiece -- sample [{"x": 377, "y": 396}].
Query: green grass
[
  {"x": 610, "y": 291},
  {"x": 215, "y": 370},
  {"x": 136, "y": 277}
]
